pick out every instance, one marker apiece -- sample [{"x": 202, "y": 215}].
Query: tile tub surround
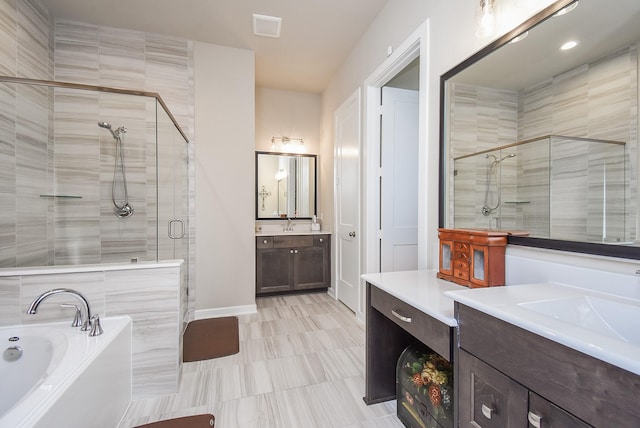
[
  {"x": 301, "y": 364},
  {"x": 151, "y": 294}
]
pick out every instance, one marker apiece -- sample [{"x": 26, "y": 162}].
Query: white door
[
  {"x": 399, "y": 196},
  {"x": 347, "y": 201}
]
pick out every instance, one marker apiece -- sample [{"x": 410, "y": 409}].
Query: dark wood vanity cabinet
[
  {"x": 509, "y": 377},
  {"x": 289, "y": 263},
  {"x": 392, "y": 325}
]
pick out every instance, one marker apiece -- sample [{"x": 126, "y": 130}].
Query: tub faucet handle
[
  {"x": 96, "y": 329},
  {"x": 77, "y": 318}
]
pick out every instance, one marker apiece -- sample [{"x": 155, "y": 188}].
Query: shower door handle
[{"x": 172, "y": 229}]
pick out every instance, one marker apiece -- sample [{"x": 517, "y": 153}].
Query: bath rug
[
  {"x": 210, "y": 338},
  {"x": 197, "y": 421}
]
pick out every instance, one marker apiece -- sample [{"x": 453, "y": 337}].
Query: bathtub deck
[{"x": 301, "y": 363}]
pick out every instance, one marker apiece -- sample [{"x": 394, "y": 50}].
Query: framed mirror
[
  {"x": 285, "y": 186},
  {"x": 544, "y": 140}
]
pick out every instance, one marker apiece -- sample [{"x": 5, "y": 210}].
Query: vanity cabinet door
[
  {"x": 488, "y": 398},
  {"x": 273, "y": 270}
]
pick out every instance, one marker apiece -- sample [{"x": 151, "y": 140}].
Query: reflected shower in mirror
[
  {"x": 285, "y": 185},
  {"x": 570, "y": 117}
]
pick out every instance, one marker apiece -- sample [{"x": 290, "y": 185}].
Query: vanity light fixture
[
  {"x": 485, "y": 18},
  {"x": 569, "y": 45},
  {"x": 287, "y": 140},
  {"x": 567, "y": 9}
]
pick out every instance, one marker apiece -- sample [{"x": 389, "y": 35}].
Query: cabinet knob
[
  {"x": 291, "y": 251},
  {"x": 265, "y": 241},
  {"x": 295, "y": 251},
  {"x": 321, "y": 240},
  {"x": 487, "y": 411},
  {"x": 534, "y": 419}
]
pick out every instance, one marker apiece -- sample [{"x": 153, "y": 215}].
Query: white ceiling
[{"x": 317, "y": 35}]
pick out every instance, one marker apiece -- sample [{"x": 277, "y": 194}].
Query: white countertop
[
  {"x": 514, "y": 304},
  {"x": 292, "y": 233},
  {"x": 420, "y": 289}
]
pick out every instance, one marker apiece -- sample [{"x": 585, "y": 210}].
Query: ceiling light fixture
[
  {"x": 485, "y": 19},
  {"x": 569, "y": 45},
  {"x": 567, "y": 9},
  {"x": 519, "y": 37},
  {"x": 266, "y": 26}
]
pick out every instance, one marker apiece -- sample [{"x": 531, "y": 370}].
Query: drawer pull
[
  {"x": 321, "y": 240},
  {"x": 400, "y": 317},
  {"x": 265, "y": 241},
  {"x": 487, "y": 411},
  {"x": 534, "y": 419}
]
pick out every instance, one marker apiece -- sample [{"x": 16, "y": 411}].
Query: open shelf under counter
[{"x": 402, "y": 308}]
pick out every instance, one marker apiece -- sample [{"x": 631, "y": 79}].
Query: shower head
[
  {"x": 496, "y": 161},
  {"x": 510, "y": 155},
  {"x": 116, "y": 133},
  {"x": 107, "y": 125}
]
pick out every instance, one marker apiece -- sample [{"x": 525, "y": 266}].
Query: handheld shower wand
[{"x": 124, "y": 209}]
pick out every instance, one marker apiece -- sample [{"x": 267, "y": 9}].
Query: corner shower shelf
[
  {"x": 61, "y": 196},
  {"x": 516, "y": 202}
]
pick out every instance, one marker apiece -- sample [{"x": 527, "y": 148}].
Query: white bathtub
[{"x": 65, "y": 378}]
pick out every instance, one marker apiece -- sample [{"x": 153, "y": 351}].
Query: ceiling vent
[{"x": 267, "y": 26}]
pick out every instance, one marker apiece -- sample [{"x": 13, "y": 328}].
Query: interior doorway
[{"x": 399, "y": 173}]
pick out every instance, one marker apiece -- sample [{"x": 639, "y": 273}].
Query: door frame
[{"x": 413, "y": 47}]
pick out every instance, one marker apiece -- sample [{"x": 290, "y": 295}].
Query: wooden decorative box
[{"x": 472, "y": 257}]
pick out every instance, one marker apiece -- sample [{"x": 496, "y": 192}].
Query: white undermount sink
[{"x": 600, "y": 315}]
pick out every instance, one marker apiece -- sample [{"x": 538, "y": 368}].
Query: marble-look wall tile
[
  {"x": 33, "y": 40},
  {"x": 151, "y": 298},
  {"x": 76, "y": 54},
  {"x": 122, "y": 58},
  {"x": 8, "y": 37},
  {"x": 9, "y": 300}
]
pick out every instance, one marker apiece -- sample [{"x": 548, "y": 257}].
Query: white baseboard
[
  {"x": 226, "y": 312},
  {"x": 332, "y": 292}
]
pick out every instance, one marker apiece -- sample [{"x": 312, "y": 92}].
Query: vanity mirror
[
  {"x": 544, "y": 140},
  {"x": 285, "y": 185}
]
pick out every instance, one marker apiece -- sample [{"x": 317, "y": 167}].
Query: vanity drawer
[
  {"x": 428, "y": 330},
  {"x": 264, "y": 242},
  {"x": 295, "y": 241},
  {"x": 462, "y": 247},
  {"x": 461, "y": 270}
]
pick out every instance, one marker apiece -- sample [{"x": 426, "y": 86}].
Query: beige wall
[
  {"x": 290, "y": 114},
  {"x": 224, "y": 157},
  {"x": 451, "y": 40}
]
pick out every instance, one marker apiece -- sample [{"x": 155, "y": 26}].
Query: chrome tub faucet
[{"x": 85, "y": 311}]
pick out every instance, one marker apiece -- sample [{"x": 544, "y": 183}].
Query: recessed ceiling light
[
  {"x": 267, "y": 26},
  {"x": 519, "y": 37},
  {"x": 567, "y": 9},
  {"x": 569, "y": 45}
]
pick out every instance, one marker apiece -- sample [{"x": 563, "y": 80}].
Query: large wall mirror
[
  {"x": 285, "y": 185},
  {"x": 544, "y": 140}
]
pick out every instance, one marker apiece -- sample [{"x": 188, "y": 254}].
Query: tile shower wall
[
  {"x": 152, "y": 295},
  {"x": 30, "y": 235},
  {"x": 25, "y": 140},
  {"x": 562, "y": 105},
  {"x": 570, "y": 108}
]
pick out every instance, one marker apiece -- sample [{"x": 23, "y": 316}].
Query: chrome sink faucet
[
  {"x": 86, "y": 311},
  {"x": 289, "y": 226}
]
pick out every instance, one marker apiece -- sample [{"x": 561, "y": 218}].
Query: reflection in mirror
[
  {"x": 543, "y": 140},
  {"x": 285, "y": 185}
]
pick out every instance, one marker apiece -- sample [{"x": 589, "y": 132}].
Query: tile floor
[{"x": 301, "y": 364}]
